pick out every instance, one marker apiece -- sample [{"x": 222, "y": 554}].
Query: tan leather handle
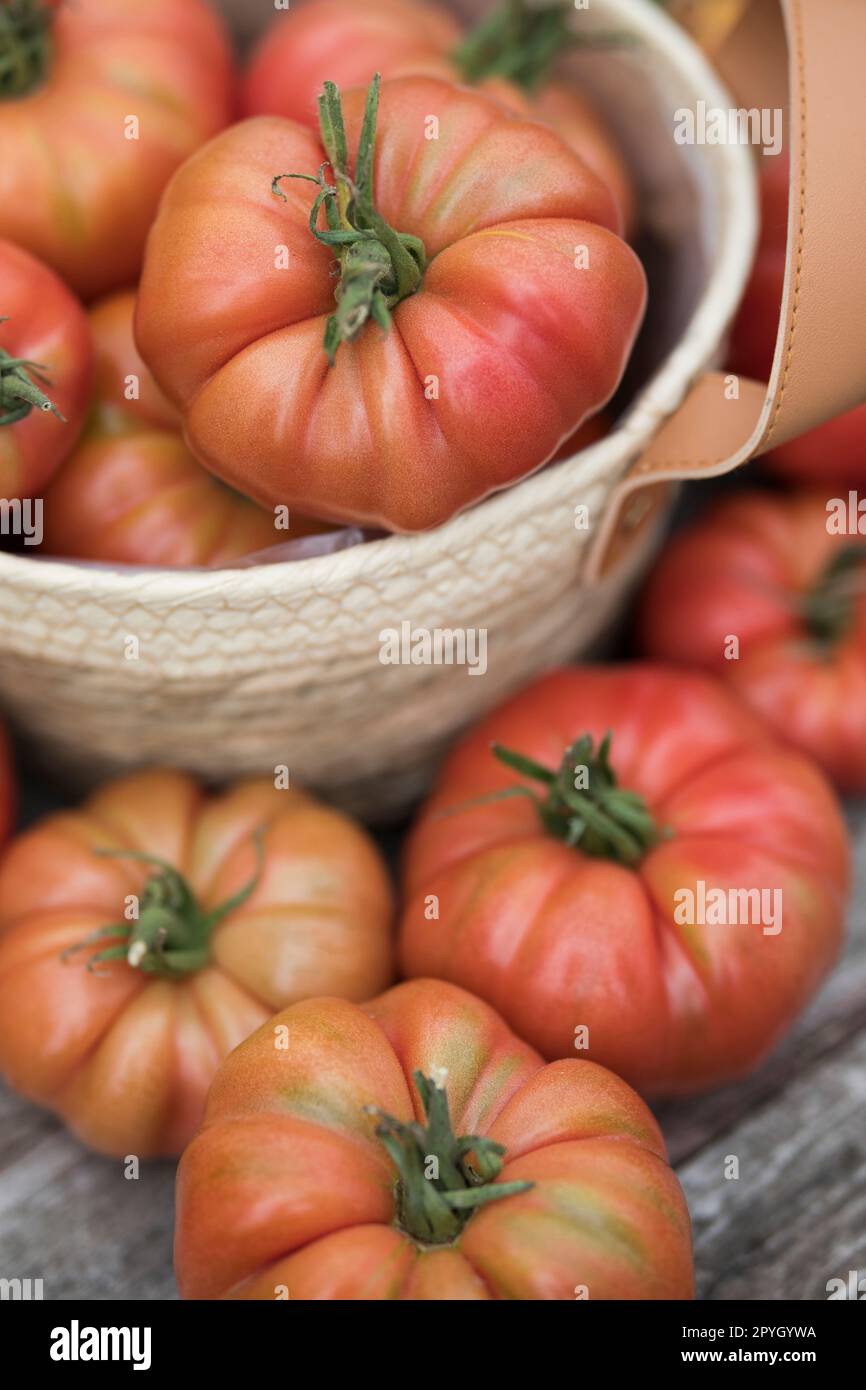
[{"x": 819, "y": 368}]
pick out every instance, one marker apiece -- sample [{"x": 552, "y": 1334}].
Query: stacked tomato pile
[{"x": 362, "y": 304}]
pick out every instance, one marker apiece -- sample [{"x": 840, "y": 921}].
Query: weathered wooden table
[{"x": 795, "y": 1217}]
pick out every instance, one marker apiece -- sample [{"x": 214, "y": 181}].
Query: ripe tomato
[
  {"x": 592, "y": 915},
  {"x": 763, "y": 593},
  {"x": 245, "y": 902},
  {"x": 309, "y": 1179},
  {"x": 46, "y": 362},
  {"x": 132, "y": 493},
  {"x": 490, "y": 345},
  {"x": 344, "y": 42},
  {"x": 834, "y": 454},
  {"x": 105, "y": 99}
]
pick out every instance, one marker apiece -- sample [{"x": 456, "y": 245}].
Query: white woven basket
[{"x": 239, "y": 671}]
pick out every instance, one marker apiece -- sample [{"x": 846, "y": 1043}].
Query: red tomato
[
  {"x": 489, "y": 363},
  {"x": 309, "y": 1179},
  {"x": 245, "y": 902},
  {"x": 79, "y": 179},
  {"x": 132, "y": 493},
  {"x": 834, "y": 454},
  {"x": 46, "y": 362},
  {"x": 345, "y": 42},
  {"x": 765, "y": 571},
  {"x": 592, "y": 914}
]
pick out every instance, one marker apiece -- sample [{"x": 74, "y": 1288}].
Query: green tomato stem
[
  {"x": 829, "y": 609},
  {"x": 20, "y": 389},
  {"x": 171, "y": 936},
  {"x": 441, "y": 1179},
  {"x": 25, "y": 46},
  {"x": 379, "y": 267},
  {"x": 591, "y": 813}
]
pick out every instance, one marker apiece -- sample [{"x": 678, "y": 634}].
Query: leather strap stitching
[{"x": 792, "y": 331}]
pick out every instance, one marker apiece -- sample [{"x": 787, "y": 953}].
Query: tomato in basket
[
  {"x": 46, "y": 363},
  {"x": 481, "y": 309},
  {"x": 100, "y": 101},
  {"x": 510, "y": 55},
  {"x": 132, "y": 493}
]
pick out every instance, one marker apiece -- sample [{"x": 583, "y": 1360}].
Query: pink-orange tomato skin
[
  {"x": 131, "y": 88},
  {"x": 743, "y": 573},
  {"x": 345, "y": 42},
  {"x": 504, "y": 350},
  {"x": 126, "y": 1057},
  {"x": 560, "y": 941},
  {"x": 45, "y": 325},
  {"x": 288, "y": 1188},
  {"x": 132, "y": 493}
]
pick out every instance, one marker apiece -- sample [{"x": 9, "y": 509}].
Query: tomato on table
[
  {"x": 414, "y": 1148},
  {"x": 100, "y": 101},
  {"x": 635, "y": 869},
  {"x": 146, "y": 934},
  {"x": 46, "y": 362},
  {"x": 510, "y": 55},
  {"x": 483, "y": 309},
  {"x": 132, "y": 493},
  {"x": 769, "y": 592}
]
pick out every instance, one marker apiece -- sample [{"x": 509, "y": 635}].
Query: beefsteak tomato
[
  {"x": 769, "y": 592},
  {"x": 344, "y": 42},
  {"x": 132, "y": 493},
  {"x": 641, "y": 874},
  {"x": 503, "y": 308},
  {"x": 414, "y": 1148},
  {"x": 46, "y": 363},
  {"x": 145, "y": 935},
  {"x": 100, "y": 101}
]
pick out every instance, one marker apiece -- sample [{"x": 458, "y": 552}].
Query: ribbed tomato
[
  {"x": 100, "y": 101},
  {"x": 414, "y": 1148},
  {"x": 132, "y": 493},
  {"x": 483, "y": 307},
  {"x": 146, "y": 934},
  {"x": 770, "y": 592},
  {"x": 46, "y": 362},
  {"x": 345, "y": 42},
  {"x": 635, "y": 870}
]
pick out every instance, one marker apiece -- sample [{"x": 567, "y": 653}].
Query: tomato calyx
[
  {"x": 25, "y": 46},
  {"x": 442, "y": 1179},
  {"x": 584, "y": 806},
  {"x": 521, "y": 43},
  {"x": 829, "y": 609},
  {"x": 20, "y": 388},
  {"x": 171, "y": 935},
  {"x": 379, "y": 266}
]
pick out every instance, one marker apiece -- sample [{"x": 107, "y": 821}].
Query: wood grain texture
[{"x": 794, "y": 1218}]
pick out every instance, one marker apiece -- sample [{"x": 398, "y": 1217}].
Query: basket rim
[{"x": 734, "y": 171}]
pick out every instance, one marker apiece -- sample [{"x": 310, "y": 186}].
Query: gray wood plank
[{"x": 796, "y": 1216}]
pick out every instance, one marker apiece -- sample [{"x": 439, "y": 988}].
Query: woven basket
[{"x": 239, "y": 671}]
